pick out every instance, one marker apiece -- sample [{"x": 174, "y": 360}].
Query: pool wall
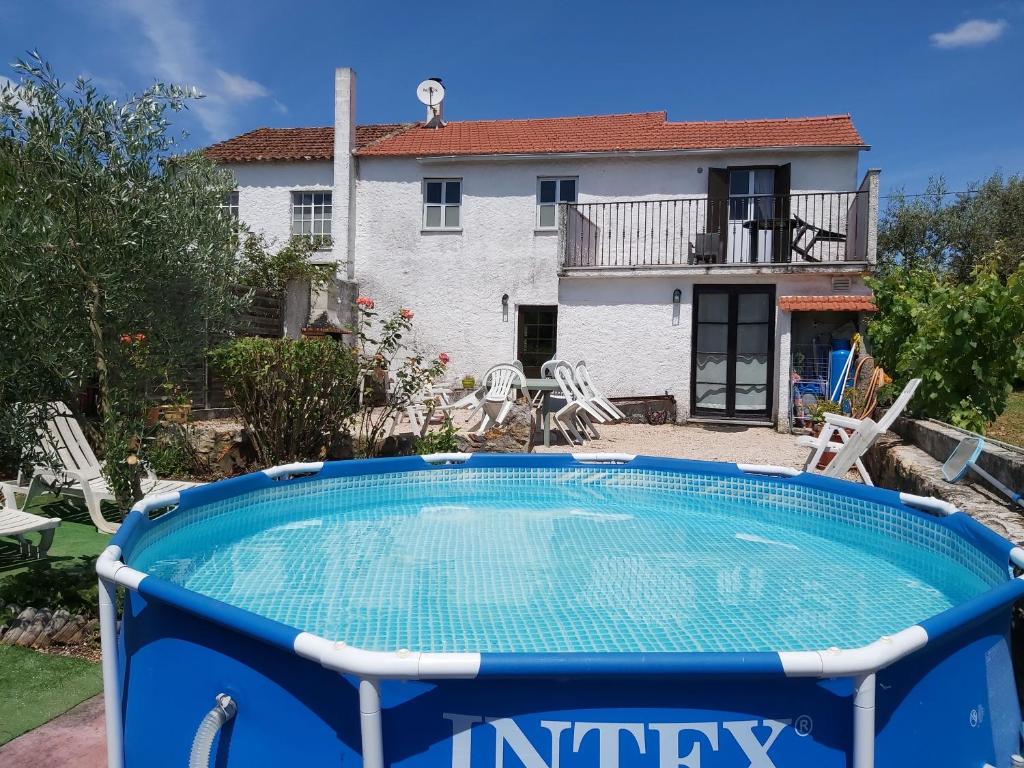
[{"x": 938, "y": 693}]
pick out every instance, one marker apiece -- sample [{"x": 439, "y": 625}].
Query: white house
[{"x": 698, "y": 259}]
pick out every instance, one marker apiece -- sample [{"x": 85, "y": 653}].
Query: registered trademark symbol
[
  {"x": 803, "y": 725},
  {"x": 977, "y": 716}
]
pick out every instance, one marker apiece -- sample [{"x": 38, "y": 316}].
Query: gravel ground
[{"x": 745, "y": 445}]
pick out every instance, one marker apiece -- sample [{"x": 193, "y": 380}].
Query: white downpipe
[
  {"x": 111, "y": 686},
  {"x": 864, "y": 721},
  {"x": 370, "y": 723}
]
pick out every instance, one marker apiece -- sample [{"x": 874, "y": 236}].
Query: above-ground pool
[{"x": 557, "y": 611}]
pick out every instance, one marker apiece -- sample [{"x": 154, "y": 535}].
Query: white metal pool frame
[{"x": 859, "y": 664}]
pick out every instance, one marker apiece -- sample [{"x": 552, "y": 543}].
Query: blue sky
[{"x": 934, "y": 87}]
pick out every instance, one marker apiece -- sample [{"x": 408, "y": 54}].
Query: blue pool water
[{"x": 585, "y": 560}]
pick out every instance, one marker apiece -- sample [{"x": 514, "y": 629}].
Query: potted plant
[
  {"x": 176, "y": 408},
  {"x": 468, "y": 382},
  {"x": 816, "y": 412}
]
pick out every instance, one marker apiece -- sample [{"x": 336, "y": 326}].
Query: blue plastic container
[{"x": 836, "y": 365}]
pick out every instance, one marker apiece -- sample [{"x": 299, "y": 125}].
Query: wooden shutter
[
  {"x": 717, "y": 219},
  {"x": 783, "y": 239}
]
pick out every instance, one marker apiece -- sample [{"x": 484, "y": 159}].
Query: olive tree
[{"x": 115, "y": 256}]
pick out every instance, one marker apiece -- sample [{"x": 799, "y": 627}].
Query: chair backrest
[
  {"x": 63, "y": 438},
  {"x": 547, "y": 371},
  {"x": 897, "y": 407},
  {"x": 585, "y": 381},
  {"x": 518, "y": 364},
  {"x": 853, "y": 448},
  {"x": 567, "y": 381},
  {"x": 501, "y": 380},
  {"x": 9, "y": 500}
]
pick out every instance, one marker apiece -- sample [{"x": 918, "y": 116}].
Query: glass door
[
  {"x": 751, "y": 204},
  {"x": 734, "y": 329}
]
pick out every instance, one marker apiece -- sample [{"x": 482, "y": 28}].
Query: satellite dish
[{"x": 430, "y": 92}]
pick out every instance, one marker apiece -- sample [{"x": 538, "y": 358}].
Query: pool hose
[{"x": 214, "y": 720}]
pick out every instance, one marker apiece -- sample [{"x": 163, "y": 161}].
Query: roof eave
[{"x": 512, "y": 156}]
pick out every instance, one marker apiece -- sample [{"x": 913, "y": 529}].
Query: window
[
  {"x": 551, "y": 192},
  {"x": 751, "y": 193},
  {"x": 311, "y": 214},
  {"x": 442, "y": 203},
  {"x": 229, "y": 205}
]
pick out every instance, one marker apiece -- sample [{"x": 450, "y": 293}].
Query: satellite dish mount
[{"x": 431, "y": 93}]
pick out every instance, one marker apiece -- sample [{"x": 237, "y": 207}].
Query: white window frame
[
  {"x": 229, "y": 205},
  {"x": 559, "y": 180},
  {"x": 443, "y": 205},
  {"x": 323, "y": 200}
]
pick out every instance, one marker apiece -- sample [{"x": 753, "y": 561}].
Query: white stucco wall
[{"x": 454, "y": 281}]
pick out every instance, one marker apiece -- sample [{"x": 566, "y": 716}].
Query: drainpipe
[
  {"x": 864, "y": 721},
  {"x": 370, "y": 723}
]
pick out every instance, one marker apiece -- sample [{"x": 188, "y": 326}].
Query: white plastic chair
[
  {"x": 502, "y": 384},
  {"x": 577, "y": 416},
  {"x": 834, "y": 437},
  {"x": 81, "y": 473},
  {"x": 16, "y": 523},
  {"x": 596, "y": 397}
]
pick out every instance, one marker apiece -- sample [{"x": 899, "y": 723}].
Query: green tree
[
  {"x": 954, "y": 232},
  {"x": 114, "y": 255},
  {"x": 965, "y": 340}
]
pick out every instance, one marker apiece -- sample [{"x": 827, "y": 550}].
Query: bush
[
  {"x": 442, "y": 441},
  {"x": 296, "y": 397},
  {"x": 963, "y": 339}
]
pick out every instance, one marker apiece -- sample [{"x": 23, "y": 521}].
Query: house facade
[{"x": 689, "y": 259}]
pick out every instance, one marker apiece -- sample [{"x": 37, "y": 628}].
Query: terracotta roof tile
[
  {"x": 827, "y": 303},
  {"x": 270, "y": 144},
  {"x": 637, "y": 132}
]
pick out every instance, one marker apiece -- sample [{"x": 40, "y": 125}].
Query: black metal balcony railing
[{"x": 806, "y": 228}]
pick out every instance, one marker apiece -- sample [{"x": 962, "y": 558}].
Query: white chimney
[{"x": 343, "y": 225}]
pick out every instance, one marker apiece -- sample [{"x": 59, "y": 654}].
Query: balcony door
[
  {"x": 749, "y": 209},
  {"x": 733, "y": 348}
]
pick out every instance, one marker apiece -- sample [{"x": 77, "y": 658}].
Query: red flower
[
  {"x": 126, "y": 338},
  {"x": 443, "y": 357},
  {"x": 406, "y": 314},
  {"x": 365, "y": 302},
  {"x": 140, "y": 337}
]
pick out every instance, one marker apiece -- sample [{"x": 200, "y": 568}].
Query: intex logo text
[{"x": 614, "y": 739}]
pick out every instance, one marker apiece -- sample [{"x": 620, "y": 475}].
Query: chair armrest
[{"x": 846, "y": 422}]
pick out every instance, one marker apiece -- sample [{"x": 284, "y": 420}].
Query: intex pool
[{"x": 556, "y": 611}]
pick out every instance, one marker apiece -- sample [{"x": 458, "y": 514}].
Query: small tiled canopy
[{"x": 827, "y": 304}]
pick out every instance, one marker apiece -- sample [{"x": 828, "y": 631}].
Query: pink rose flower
[
  {"x": 406, "y": 314},
  {"x": 443, "y": 357},
  {"x": 365, "y": 302}
]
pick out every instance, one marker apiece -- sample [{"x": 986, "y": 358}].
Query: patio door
[
  {"x": 733, "y": 348},
  {"x": 751, "y": 200},
  {"x": 538, "y": 338}
]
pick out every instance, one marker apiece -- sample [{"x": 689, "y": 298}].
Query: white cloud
[
  {"x": 971, "y": 33},
  {"x": 178, "y": 57},
  {"x": 241, "y": 88}
]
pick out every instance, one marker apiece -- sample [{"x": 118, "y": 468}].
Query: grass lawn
[
  {"x": 1009, "y": 427},
  {"x": 37, "y": 687}
]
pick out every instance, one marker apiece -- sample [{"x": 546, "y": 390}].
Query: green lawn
[
  {"x": 36, "y": 687},
  {"x": 1009, "y": 427}
]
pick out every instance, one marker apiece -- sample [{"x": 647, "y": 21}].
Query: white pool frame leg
[
  {"x": 864, "y": 721},
  {"x": 370, "y": 723},
  {"x": 111, "y": 686}
]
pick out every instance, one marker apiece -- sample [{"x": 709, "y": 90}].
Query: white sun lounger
[
  {"x": 81, "y": 474},
  {"x": 834, "y": 437},
  {"x": 16, "y": 523}
]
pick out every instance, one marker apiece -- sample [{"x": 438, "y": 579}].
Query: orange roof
[
  {"x": 827, "y": 303},
  {"x": 638, "y": 132},
  {"x": 270, "y": 144}
]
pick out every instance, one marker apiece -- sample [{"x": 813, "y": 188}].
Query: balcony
[{"x": 793, "y": 231}]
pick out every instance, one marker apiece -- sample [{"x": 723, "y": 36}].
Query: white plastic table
[{"x": 547, "y": 386}]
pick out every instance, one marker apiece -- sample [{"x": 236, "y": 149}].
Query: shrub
[
  {"x": 296, "y": 397},
  {"x": 442, "y": 441},
  {"x": 73, "y": 588},
  {"x": 963, "y": 339}
]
